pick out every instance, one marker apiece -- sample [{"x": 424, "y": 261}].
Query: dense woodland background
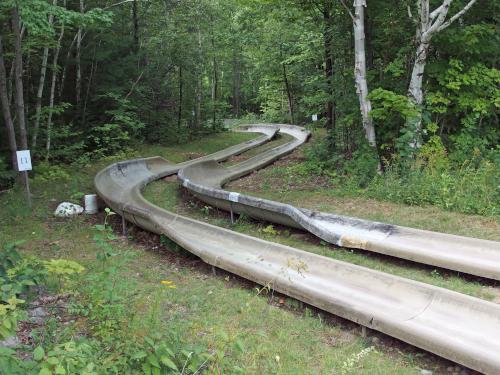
[
  {"x": 84, "y": 79},
  {"x": 408, "y": 97}
]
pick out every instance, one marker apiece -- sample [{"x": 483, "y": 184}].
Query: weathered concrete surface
[
  {"x": 458, "y": 327},
  {"x": 469, "y": 255}
]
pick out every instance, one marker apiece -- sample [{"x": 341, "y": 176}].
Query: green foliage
[
  {"x": 433, "y": 154},
  {"x": 473, "y": 95},
  {"x": 45, "y": 172},
  {"x": 63, "y": 270},
  {"x": 363, "y": 165},
  {"x": 35, "y": 14},
  {"x": 10, "y": 314},
  {"x": 68, "y": 358},
  {"x": 387, "y": 104},
  {"x": 429, "y": 180},
  {"x": 269, "y": 230},
  {"x": 9, "y": 257},
  {"x": 118, "y": 131},
  {"x": 63, "y": 267},
  {"x": 18, "y": 274},
  {"x": 103, "y": 236},
  {"x": 105, "y": 300},
  {"x": 397, "y": 112},
  {"x": 158, "y": 357},
  {"x": 10, "y": 364}
]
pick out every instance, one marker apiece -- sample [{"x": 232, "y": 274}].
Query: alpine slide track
[{"x": 455, "y": 326}]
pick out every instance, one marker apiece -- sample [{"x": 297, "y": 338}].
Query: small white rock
[
  {"x": 66, "y": 209},
  {"x": 425, "y": 372}
]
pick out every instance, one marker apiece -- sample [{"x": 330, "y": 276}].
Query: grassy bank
[{"x": 144, "y": 288}]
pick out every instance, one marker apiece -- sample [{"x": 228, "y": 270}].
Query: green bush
[
  {"x": 467, "y": 188},
  {"x": 120, "y": 126},
  {"x": 46, "y": 172},
  {"x": 467, "y": 180}
]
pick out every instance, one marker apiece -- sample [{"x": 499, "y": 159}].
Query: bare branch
[
  {"x": 119, "y": 3},
  {"x": 456, "y": 16},
  {"x": 348, "y": 10},
  {"x": 135, "y": 84},
  {"x": 410, "y": 15}
]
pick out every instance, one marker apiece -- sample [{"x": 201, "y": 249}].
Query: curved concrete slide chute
[
  {"x": 464, "y": 254},
  {"x": 458, "y": 327}
]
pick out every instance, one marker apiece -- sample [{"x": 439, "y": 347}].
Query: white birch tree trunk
[
  {"x": 41, "y": 85},
  {"x": 52, "y": 93},
  {"x": 199, "y": 83},
  {"x": 428, "y": 25},
  {"x": 78, "y": 88},
  {"x": 18, "y": 79},
  {"x": 360, "y": 71}
]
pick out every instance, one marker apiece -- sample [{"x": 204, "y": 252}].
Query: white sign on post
[
  {"x": 24, "y": 161},
  {"x": 315, "y": 117}
]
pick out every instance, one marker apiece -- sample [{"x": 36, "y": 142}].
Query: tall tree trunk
[
  {"x": 4, "y": 98},
  {"x": 63, "y": 75},
  {"x": 288, "y": 93},
  {"x": 78, "y": 85},
  {"x": 199, "y": 83},
  {"x": 41, "y": 85},
  {"x": 415, "y": 92},
  {"x": 12, "y": 73},
  {"x": 181, "y": 93},
  {"x": 327, "y": 40},
  {"x": 135, "y": 20},
  {"x": 215, "y": 82},
  {"x": 52, "y": 93},
  {"x": 360, "y": 71},
  {"x": 93, "y": 70},
  {"x": 16, "y": 28},
  {"x": 236, "y": 85}
]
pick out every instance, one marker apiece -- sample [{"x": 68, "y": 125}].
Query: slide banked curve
[
  {"x": 464, "y": 254},
  {"x": 458, "y": 327}
]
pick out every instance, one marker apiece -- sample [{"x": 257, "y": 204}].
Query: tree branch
[
  {"x": 410, "y": 14},
  {"x": 440, "y": 18},
  {"x": 435, "y": 12},
  {"x": 135, "y": 84},
  {"x": 348, "y": 10},
  {"x": 116, "y": 4},
  {"x": 456, "y": 16}
]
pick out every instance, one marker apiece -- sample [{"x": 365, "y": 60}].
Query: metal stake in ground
[
  {"x": 23, "y": 166},
  {"x": 124, "y": 226}
]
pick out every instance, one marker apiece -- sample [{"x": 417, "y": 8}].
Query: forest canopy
[{"x": 392, "y": 81}]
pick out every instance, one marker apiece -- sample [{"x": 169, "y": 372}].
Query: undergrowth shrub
[
  {"x": 46, "y": 172},
  {"x": 110, "y": 334},
  {"x": 467, "y": 188},
  {"x": 433, "y": 177}
]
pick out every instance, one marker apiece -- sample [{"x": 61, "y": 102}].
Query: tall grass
[{"x": 468, "y": 188}]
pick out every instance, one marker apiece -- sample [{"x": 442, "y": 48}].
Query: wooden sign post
[{"x": 23, "y": 166}]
